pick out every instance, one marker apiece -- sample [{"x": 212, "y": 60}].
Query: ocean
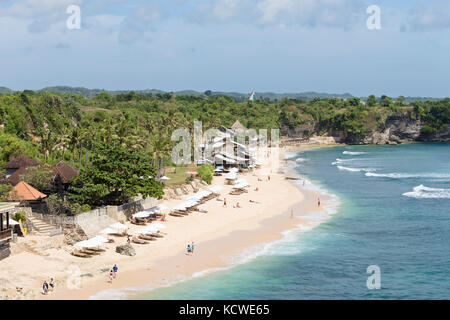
[{"x": 389, "y": 208}]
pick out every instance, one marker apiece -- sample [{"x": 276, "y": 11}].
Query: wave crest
[
  {"x": 422, "y": 192},
  {"x": 353, "y": 153},
  {"x": 396, "y": 175},
  {"x": 368, "y": 170}
]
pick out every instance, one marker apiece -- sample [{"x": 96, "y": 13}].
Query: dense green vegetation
[{"x": 104, "y": 134}]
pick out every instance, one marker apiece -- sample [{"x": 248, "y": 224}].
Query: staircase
[
  {"x": 36, "y": 248},
  {"x": 41, "y": 226}
]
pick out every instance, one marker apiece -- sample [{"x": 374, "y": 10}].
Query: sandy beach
[{"x": 220, "y": 235}]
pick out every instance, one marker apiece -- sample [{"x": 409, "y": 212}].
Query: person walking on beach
[
  {"x": 45, "y": 287},
  {"x": 111, "y": 276},
  {"x": 224, "y": 202},
  {"x": 189, "y": 250},
  {"x": 115, "y": 269},
  {"x": 52, "y": 285},
  {"x": 128, "y": 239},
  {"x": 318, "y": 201}
]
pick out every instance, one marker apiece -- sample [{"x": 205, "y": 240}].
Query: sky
[{"x": 229, "y": 45}]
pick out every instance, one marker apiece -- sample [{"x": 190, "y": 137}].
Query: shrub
[
  {"x": 20, "y": 216},
  {"x": 206, "y": 173}
]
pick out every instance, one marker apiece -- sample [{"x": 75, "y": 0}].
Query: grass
[{"x": 178, "y": 177}]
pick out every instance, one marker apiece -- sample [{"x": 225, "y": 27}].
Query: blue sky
[{"x": 229, "y": 45}]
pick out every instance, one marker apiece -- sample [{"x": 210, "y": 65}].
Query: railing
[{"x": 5, "y": 234}]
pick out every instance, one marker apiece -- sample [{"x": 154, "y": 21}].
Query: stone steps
[{"x": 41, "y": 226}]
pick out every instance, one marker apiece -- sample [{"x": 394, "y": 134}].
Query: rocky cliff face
[{"x": 396, "y": 129}]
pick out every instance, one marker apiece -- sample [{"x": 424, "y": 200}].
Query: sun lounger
[
  {"x": 78, "y": 253},
  {"x": 91, "y": 251},
  {"x": 173, "y": 214},
  {"x": 156, "y": 235},
  {"x": 139, "y": 241},
  {"x": 146, "y": 237}
]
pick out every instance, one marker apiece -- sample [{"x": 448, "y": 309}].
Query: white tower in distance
[{"x": 252, "y": 97}]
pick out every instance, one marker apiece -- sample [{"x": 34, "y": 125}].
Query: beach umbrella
[
  {"x": 99, "y": 239},
  {"x": 118, "y": 226},
  {"x": 231, "y": 176},
  {"x": 141, "y": 214},
  {"x": 180, "y": 207},
  {"x": 240, "y": 185},
  {"x": 164, "y": 178},
  {"x": 241, "y": 181},
  {"x": 162, "y": 207},
  {"x": 215, "y": 189},
  {"x": 158, "y": 225},
  {"x": 191, "y": 172},
  {"x": 189, "y": 203},
  {"x": 153, "y": 228},
  {"x": 11, "y": 222},
  {"x": 108, "y": 231},
  {"x": 195, "y": 198},
  {"x": 87, "y": 244}
]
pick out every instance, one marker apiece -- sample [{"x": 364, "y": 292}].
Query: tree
[
  {"x": 371, "y": 101},
  {"x": 39, "y": 177},
  {"x": 115, "y": 175}
]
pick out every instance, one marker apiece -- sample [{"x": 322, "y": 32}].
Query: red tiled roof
[
  {"x": 23, "y": 191},
  {"x": 65, "y": 171},
  {"x": 19, "y": 162}
]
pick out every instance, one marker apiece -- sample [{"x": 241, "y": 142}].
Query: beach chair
[
  {"x": 146, "y": 237},
  {"x": 78, "y": 253},
  {"x": 138, "y": 241}
]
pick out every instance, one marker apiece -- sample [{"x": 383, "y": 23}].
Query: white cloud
[{"x": 428, "y": 18}]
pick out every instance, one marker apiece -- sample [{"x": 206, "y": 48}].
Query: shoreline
[{"x": 220, "y": 237}]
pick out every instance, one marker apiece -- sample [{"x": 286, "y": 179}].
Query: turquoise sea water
[{"x": 394, "y": 212}]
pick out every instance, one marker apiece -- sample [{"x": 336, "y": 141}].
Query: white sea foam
[
  {"x": 353, "y": 153},
  {"x": 422, "y": 192},
  {"x": 300, "y": 160},
  {"x": 289, "y": 155},
  {"x": 355, "y": 169},
  {"x": 397, "y": 175},
  {"x": 338, "y": 161}
]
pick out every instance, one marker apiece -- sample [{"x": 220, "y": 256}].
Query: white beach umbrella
[
  {"x": 215, "y": 188},
  {"x": 141, "y": 214},
  {"x": 108, "y": 231},
  {"x": 87, "y": 244},
  {"x": 153, "y": 228},
  {"x": 240, "y": 186},
  {"x": 241, "y": 181},
  {"x": 179, "y": 207},
  {"x": 189, "y": 203},
  {"x": 162, "y": 207},
  {"x": 195, "y": 198},
  {"x": 11, "y": 222},
  {"x": 164, "y": 178},
  {"x": 231, "y": 176},
  {"x": 158, "y": 225},
  {"x": 99, "y": 239},
  {"x": 118, "y": 226}
]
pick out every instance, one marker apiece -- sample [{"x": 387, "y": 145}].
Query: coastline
[{"x": 221, "y": 235}]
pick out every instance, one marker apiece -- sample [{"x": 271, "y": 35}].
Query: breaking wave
[
  {"x": 355, "y": 169},
  {"x": 353, "y": 153},
  {"x": 422, "y": 192},
  {"x": 396, "y": 175}
]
